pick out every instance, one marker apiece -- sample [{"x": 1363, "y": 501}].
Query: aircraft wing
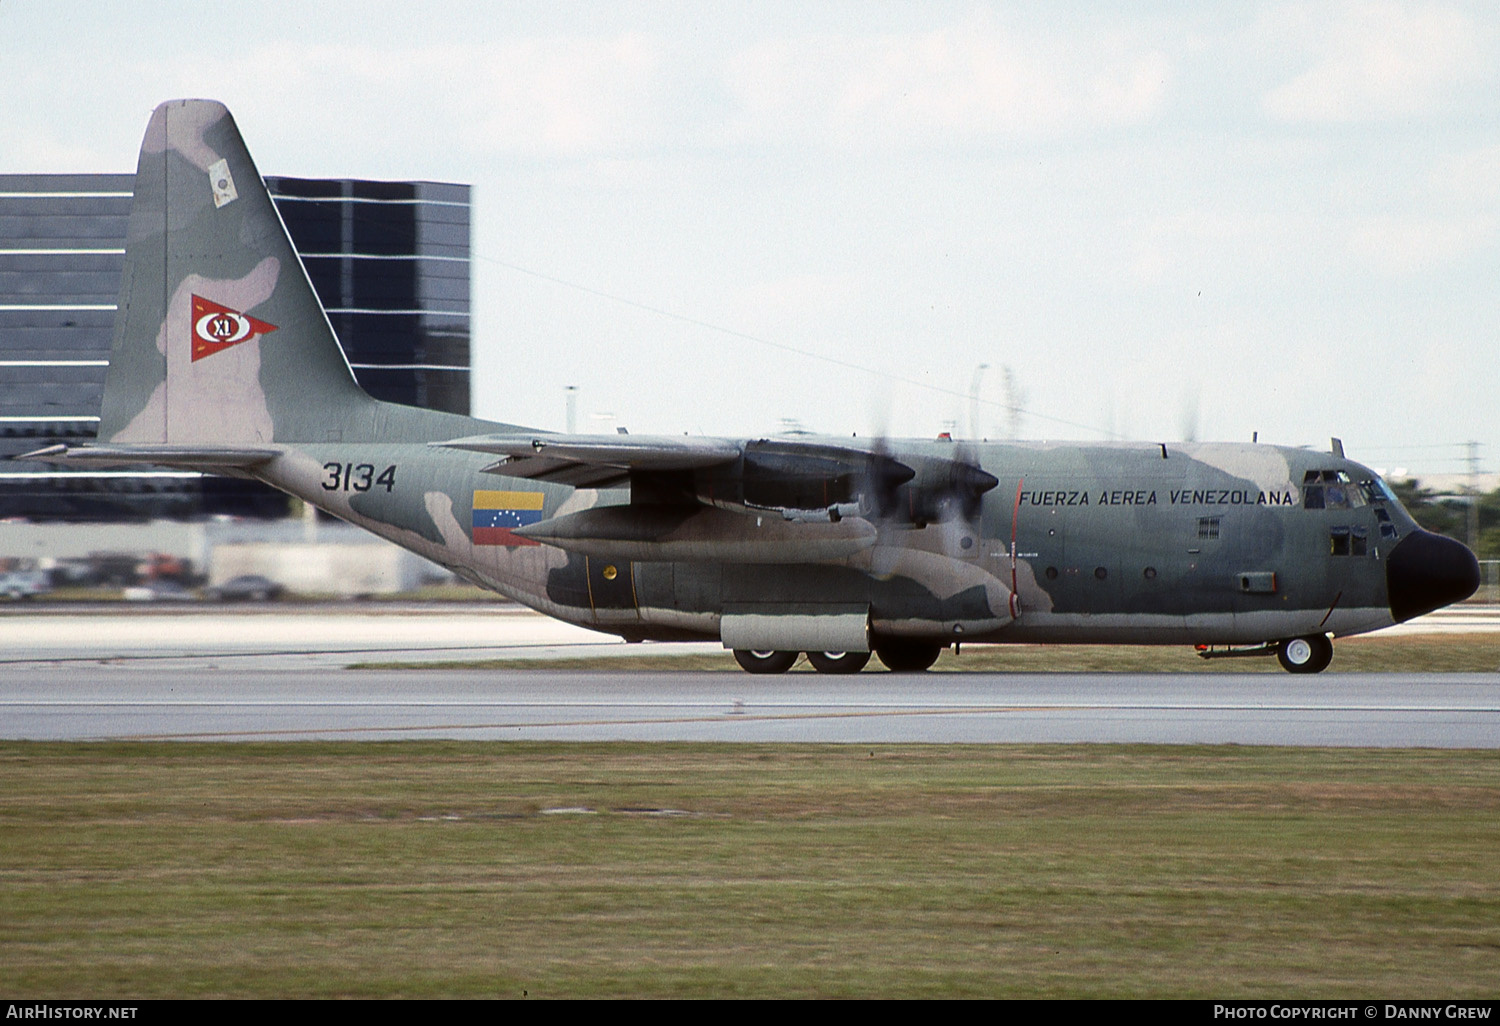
[
  {"x": 595, "y": 461},
  {"x": 766, "y": 473}
]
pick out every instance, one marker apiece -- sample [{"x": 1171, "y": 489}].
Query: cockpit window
[
  {"x": 1333, "y": 489},
  {"x": 1312, "y": 492}
]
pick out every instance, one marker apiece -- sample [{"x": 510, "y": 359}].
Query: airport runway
[
  {"x": 283, "y": 635},
  {"x": 278, "y": 674},
  {"x": 135, "y": 701},
  {"x": 304, "y": 636}
]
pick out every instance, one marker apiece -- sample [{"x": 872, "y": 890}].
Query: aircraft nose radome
[{"x": 1426, "y": 571}]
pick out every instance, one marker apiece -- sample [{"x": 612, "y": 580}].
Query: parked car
[
  {"x": 246, "y": 588},
  {"x": 23, "y": 584}
]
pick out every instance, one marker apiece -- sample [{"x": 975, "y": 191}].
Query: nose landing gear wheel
[
  {"x": 838, "y": 662},
  {"x": 1311, "y": 654},
  {"x": 764, "y": 662}
]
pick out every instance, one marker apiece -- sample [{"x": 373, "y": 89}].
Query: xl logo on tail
[{"x": 216, "y": 328}]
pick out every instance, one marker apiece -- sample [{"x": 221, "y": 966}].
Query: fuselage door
[{"x": 612, "y": 589}]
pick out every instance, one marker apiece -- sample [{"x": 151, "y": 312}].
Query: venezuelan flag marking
[{"x": 497, "y": 514}]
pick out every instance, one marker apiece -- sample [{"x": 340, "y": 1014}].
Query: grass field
[{"x": 467, "y": 869}]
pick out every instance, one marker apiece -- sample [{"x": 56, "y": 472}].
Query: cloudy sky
[{"x": 1158, "y": 220}]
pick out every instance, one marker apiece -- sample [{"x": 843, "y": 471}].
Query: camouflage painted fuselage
[
  {"x": 223, "y": 360},
  {"x": 1211, "y": 544}
]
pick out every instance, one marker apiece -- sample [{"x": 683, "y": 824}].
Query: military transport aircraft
[{"x": 224, "y": 361}]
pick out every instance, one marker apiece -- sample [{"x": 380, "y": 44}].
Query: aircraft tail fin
[{"x": 219, "y": 337}]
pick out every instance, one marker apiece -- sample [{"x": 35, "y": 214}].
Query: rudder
[{"x": 219, "y": 337}]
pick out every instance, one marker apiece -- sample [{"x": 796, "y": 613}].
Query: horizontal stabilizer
[{"x": 190, "y": 456}]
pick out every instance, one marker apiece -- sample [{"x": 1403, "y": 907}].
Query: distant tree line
[{"x": 1449, "y": 514}]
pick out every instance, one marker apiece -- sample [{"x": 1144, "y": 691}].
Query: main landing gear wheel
[
  {"x": 1311, "y": 654},
  {"x": 764, "y": 662},
  {"x": 838, "y": 662},
  {"x": 903, "y": 656}
]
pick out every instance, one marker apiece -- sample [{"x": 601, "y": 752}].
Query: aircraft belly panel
[{"x": 1225, "y": 628}]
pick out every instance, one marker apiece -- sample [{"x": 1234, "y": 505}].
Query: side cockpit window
[
  {"x": 1377, "y": 491},
  {"x": 1349, "y": 541},
  {"x": 1312, "y": 490},
  {"x": 1335, "y": 489},
  {"x": 1338, "y": 541}
]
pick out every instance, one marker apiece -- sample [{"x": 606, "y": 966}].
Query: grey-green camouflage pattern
[{"x": 223, "y": 359}]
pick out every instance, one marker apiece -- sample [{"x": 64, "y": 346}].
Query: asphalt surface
[
  {"x": 278, "y": 673},
  {"x": 135, "y": 701}
]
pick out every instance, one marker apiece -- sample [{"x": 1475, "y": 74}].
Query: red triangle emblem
[{"x": 216, "y": 327}]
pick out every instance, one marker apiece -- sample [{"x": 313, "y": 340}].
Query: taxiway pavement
[{"x": 278, "y": 673}]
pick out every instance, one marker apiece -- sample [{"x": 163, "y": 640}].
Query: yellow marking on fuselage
[{"x": 508, "y": 500}]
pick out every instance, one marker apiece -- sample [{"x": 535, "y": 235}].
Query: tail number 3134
[{"x": 357, "y": 477}]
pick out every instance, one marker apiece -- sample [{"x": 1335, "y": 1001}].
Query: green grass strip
[{"x": 602, "y": 870}]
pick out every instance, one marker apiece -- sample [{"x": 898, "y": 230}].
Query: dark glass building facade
[{"x": 389, "y": 260}]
